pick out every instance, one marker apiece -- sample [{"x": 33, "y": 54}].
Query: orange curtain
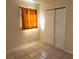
[
  {"x": 29, "y": 18},
  {"x": 33, "y": 18}
]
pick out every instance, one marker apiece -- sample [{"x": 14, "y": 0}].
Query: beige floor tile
[
  {"x": 46, "y": 47},
  {"x": 38, "y": 57},
  {"x": 52, "y": 57},
  {"x": 47, "y": 52},
  {"x": 42, "y": 45},
  {"x": 30, "y": 52},
  {"x": 24, "y": 57},
  {"x": 36, "y": 47},
  {"x": 59, "y": 53},
  {"x": 10, "y": 57},
  {"x": 10, "y": 53},
  {"x": 33, "y": 54},
  {"x": 39, "y": 51},
  {"x": 21, "y": 55},
  {"x": 68, "y": 56}
]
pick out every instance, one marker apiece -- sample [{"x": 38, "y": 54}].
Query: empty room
[{"x": 39, "y": 29}]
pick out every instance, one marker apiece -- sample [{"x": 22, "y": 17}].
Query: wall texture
[{"x": 15, "y": 35}]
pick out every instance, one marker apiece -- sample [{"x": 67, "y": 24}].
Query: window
[{"x": 29, "y": 18}]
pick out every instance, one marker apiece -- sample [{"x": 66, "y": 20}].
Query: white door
[
  {"x": 49, "y": 27},
  {"x": 60, "y": 22}
]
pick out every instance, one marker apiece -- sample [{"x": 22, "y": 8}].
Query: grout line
[{"x": 27, "y": 55}]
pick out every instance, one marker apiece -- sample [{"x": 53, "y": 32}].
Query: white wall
[
  {"x": 49, "y": 4},
  {"x": 15, "y": 35}
]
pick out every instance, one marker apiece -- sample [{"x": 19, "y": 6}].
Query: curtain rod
[{"x": 55, "y": 8}]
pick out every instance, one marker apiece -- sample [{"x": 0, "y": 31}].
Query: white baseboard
[{"x": 66, "y": 50}]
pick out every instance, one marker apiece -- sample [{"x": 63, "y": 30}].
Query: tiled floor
[{"x": 40, "y": 51}]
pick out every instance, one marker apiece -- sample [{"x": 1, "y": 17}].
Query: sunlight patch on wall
[{"x": 42, "y": 21}]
